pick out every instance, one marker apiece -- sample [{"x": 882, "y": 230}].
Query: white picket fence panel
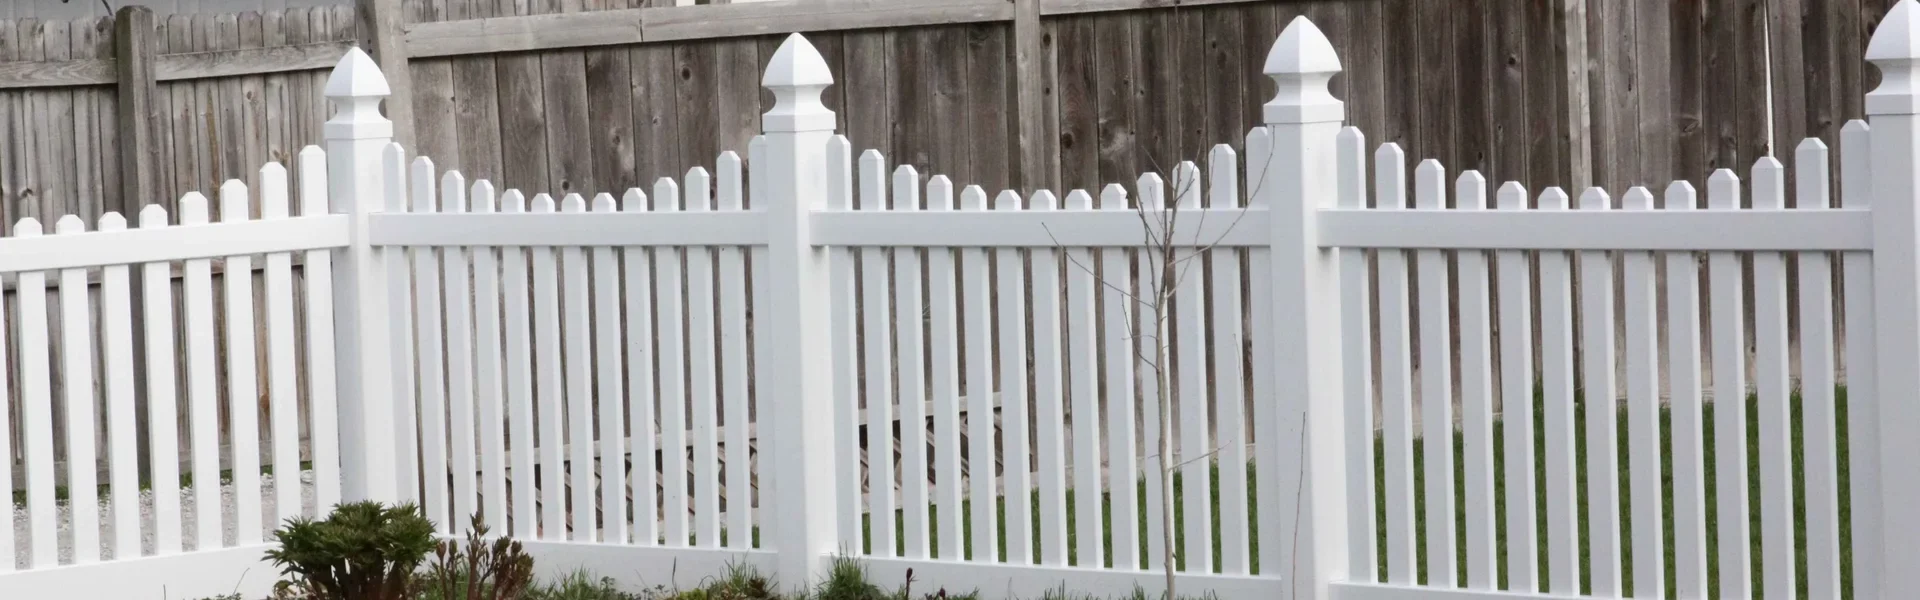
[{"x": 807, "y": 353}]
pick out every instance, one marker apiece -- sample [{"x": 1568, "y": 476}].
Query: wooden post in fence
[
  {"x": 356, "y": 138},
  {"x": 1302, "y": 441},
  {"x": 381, "y": 31},
  {"x": 790, "y": 311},
  {"x": 134, "y": 51},
  {"x": 1894, "y": 112}
]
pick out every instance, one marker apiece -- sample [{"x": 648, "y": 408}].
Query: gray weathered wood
[
  {"x": 989, "y": 123},
  {"x": 477, "y": 116},
  {"x": 524, "y": 33},
  {"x": 138, "y": 119},
  {"x": 610, "y": 119},
  {"x": 696, "y": 91},
  {"x": 868, "y": 75},
  {"x": 1573, "y": 17},
  {"x": 569, "y": 148},
  {"x": 434, "y": 129},
  {"x": 174, "y": 67},
  {"x": 1036, "y": 159},
  {"x": 1071, "y": 7},
  {"x": 788, "y": 16},
  {"x": 1079, "y": 111},
  {"x": 380, "y": 25},
  {"x": 523, "y": 122},
  {"x": 655, "y": 120}
]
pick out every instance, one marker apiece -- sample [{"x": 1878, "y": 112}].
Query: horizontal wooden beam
[
  {"x": 673, "y": 23},
  {"x": 174, "y": 67},
  {"x": 1073, "y": 7}
]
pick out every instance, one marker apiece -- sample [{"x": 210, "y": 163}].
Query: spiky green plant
[{"x": 363, "y": 551}]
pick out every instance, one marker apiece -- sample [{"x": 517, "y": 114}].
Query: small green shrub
[{"x": 363, "y": 551}]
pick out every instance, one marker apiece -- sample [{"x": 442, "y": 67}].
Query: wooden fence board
[{"x": 609, "y": 80}]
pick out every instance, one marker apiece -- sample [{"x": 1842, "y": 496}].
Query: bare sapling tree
[{"x": 1176, "y": 245}]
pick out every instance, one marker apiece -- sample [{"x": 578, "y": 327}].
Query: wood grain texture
[
  {"x": 609, "y": 80},
  {"x": 655, "y": 119},
  {"x": 1079, "y": 107},
  {"x": 522, "y": 120}
]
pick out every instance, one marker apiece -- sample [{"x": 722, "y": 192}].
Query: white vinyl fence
[{"x": 806, "y": 354}]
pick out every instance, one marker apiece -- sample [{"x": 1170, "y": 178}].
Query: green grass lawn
[{"x": 1713, "y": 542}]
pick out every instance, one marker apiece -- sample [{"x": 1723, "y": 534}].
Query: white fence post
[
  {"x": 1304, "y": 444},
  {"x": 1891, "y": 108},
  {"x": 791, "y": 312},
  {"x": 356, "y": 137}
]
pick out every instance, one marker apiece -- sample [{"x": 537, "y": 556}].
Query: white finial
[
  {"x": 356, "y": 88},
  {"x": 1302, "y": 62},
  {"x": 796, "y": 75},
  {"x": 1895, "y": 48}
]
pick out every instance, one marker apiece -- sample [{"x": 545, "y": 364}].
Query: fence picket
[
  {"x": 1017, "y": 472},
  {"x": 429, "y": 358},
  {"x": 1556, "y": 383},
  {"x": 490, "y": 387},
  {"x": 1726, "y": 285},
  {"x": 1123, "y": 462},
  {"x": 1049, "y": 410},
  {"x": 201, "y": 379},
  {"x": 282, "y": 354},
  {"x": 1436, "y": 385},
  {"x": 612, "y": 419},
  {"x": 1515, "y": 275},
  {"x": 945, "y": 361},
  {"x": 7, "y": 535},
  {"x": 879, "y": 365},
  {"x": 1643, "y": 411},
  {"x": 910, "y": 326},
  {"x": 1817, "y": 386},
  {"x": 1190, "y": 365},
  {"x": 670, "y": 283},
  {"x": 977, "y": 305},
  {"x": 36, "y": 392},
  {"x": 1597, "y": 387},
  {"x": 519, "y": 379},
  {"x": 702, "y": 355},
  {"x": 324, "y": 431},
  {"x": 1863, "y": 437},
  {"x": 846, "y": 326},
  {"x": 1228, "y": 352},
  {"x": 401, "y": 358},
  {"x": 76, "y": 365},
  {"x": 461, "y": 376},
  {"x": 1685, "y": 403},
  {"x": 1396, "y": 377},
  {"x": 549, "y": 398},
  {"x": 576, "y": 362},
  {"x": 1356, "y": 293},
  {"x": 1082, "y": 391},
  {"x": 1153, "y": 328},
  {"x": 1476, "y": 397},
  {"x": 116, "y": 318},
  {"x": 733, "y": 363},
  {"x": 1770, "y": 383},
  {"x": 1268, "y": 473},
  {"x": 162, "y": 404},
  {"x": 642, "y": 393}
]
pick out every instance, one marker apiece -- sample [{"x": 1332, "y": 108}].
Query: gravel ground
[{"x": 269, "y": 518}]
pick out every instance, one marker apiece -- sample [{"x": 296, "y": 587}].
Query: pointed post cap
[
  {"x": 796, "y": 75},
  {"x": 1302, "y": 63},
  {"x": 1895, "y": 48},
  {"x": 356, "y": 88},
  {"x": 357, "y": 76}
]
